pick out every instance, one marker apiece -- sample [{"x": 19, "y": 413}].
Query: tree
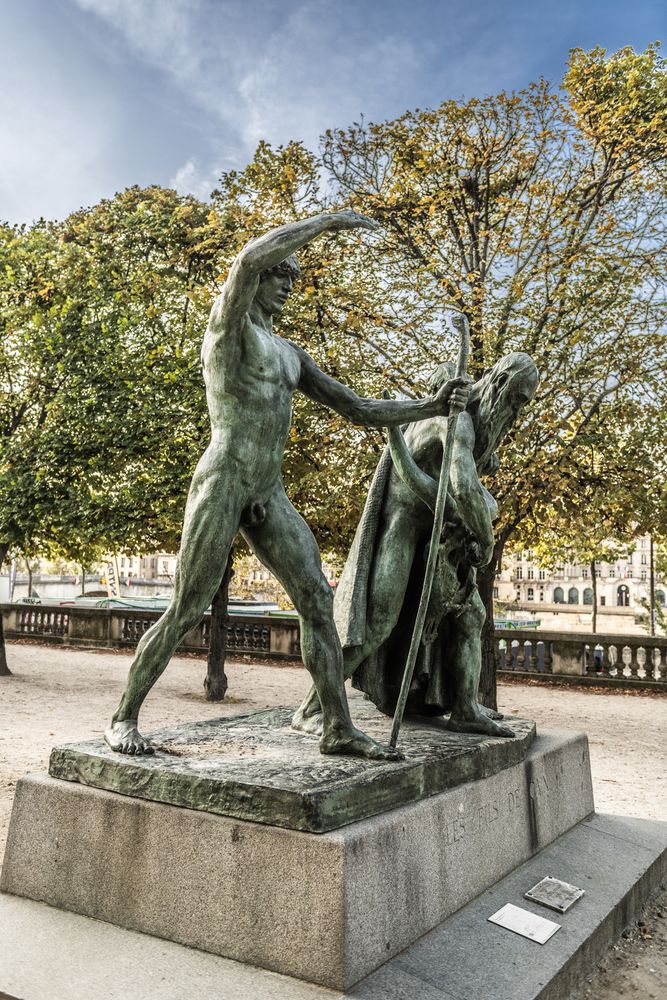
[
  {"x": 541, "y": 216},
  {"x": 102, "y": 413},
  {"x": 215, "y": 682}
]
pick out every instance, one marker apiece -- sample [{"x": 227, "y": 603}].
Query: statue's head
[
  {"x": 496, "y": 401},
  {"x": 275, "y": 284}
]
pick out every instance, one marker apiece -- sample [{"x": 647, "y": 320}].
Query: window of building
[
  {"x": 588, "y": 595},
  {"x": 541, "y": 595},
  {"x": 623, "y": 596},
  {"x": 495, "y": 592},
  {"x": 612, "y": 572},
  {"x": 543, "y": 574},
  {"x": 559, "y": 596},
  {"x": 603, "y": 600},
  {"x": 643, "y": 574},
  {"x": 531, "y": 594},
  {"x": 660, "y": 598},
  {"x": 531, "y": 573},
  {"x": 644, "y": 559},
  {"x": 573, "y": 596},
  {"x": 519, "y": 573},
  {"x": 584, "y": 573}
]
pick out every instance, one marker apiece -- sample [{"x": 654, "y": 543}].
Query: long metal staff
[{"x": 461, "y": 324}]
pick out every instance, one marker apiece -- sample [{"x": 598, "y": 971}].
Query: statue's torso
[{"x": 250, "y": 378}]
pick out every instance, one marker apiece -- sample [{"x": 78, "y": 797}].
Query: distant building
[
  {"x": 251, "y": 579},
  {"x": 156, "y": 566},
  {"x": 623, "y": 583}
]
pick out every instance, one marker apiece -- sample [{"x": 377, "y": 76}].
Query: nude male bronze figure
[{"x": 251, "y": 375}]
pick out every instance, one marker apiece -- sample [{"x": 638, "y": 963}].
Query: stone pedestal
[{"x": 326, "y": 907}]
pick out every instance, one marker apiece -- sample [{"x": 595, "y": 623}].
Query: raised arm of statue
[
  {"x": 268, "y": 251},
  {"x": 375, "y": 412}
]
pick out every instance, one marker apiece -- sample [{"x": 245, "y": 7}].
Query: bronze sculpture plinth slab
[{"x": 255, "y": 767}]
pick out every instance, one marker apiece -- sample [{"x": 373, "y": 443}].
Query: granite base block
[
  {"x": 328, "y": 908},
  {"x": 48, "y": 953}
]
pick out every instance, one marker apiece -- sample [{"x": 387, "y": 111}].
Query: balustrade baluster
[
  {"x": 634, "y": 663},
  {"x": 605, "y": 663},
  {"x": 532, "y": 657}
]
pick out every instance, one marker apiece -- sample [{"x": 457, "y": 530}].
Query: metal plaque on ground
[
  {"x": 555, "y": 894},
  {"x": 525, "y": 923}
]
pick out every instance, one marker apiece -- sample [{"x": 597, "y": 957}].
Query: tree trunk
[
  {"x": 4, "y": 669},
  {"x": 83, "y": 580},
  {"x": 29, "y": 568},
  {"x": 594, "y": 588},
  {"x": 651, "y": 589},
  {"x": 216, "y": 678}
]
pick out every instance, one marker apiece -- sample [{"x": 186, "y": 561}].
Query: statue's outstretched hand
[
  {"x": 347, "y": 219},
  {"x": 453, "y": 395}
]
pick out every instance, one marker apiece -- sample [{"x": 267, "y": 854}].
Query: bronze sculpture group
[{"x": 251, "y": 374}]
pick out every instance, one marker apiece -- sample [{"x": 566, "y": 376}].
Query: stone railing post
[
  {"x": 568, "y": 657},
  {"x": 89, "y": 626},
  {"x": 284, "y": 639}
]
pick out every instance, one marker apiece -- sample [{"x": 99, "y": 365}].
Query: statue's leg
[
  {"x": 211, "y": 523},
  {"x": 465, "y": 639},
  {"x": 285, "y": 544},
  {"x": 386, "y": 590}
]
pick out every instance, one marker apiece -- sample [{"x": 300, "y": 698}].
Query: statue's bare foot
[
  {"x": 478, "y": 722},
  {"x": 352, "y": 741},
  {"x": 124, "y": 737},
  {"x": 305, "y": 723},
  {"x": 490, "y": 713}
]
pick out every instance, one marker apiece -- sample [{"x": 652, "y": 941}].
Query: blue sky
[{"x": 96, "y": 95}]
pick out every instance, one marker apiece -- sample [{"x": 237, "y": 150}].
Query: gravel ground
[{"x": 64, "y": 695}]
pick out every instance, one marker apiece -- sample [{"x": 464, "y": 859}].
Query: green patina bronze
[
  {"x": 257, "y": 767},
  {"x": 380, "y": 587},
  {"x": 251, "y": 375}
]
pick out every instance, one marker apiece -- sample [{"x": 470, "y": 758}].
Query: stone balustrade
[
  {"x": 118, "y": 628},
  {"x": 602, "y": 658},
  {"x": 615, "y": 658}
]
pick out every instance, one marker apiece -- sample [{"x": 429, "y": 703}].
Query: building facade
[{"x": 623, "y": 583}]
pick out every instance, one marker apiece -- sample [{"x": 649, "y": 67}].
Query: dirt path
[{"x": 64, "y": 695}]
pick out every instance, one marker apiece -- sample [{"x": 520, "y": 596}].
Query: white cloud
[
  {"x": 265, "y": 71},
  {"x": 193, "y": 179},
  {"x": 157, "y": 28}
]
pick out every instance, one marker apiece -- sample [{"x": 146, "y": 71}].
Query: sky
[{"x": 98, "y": 95}]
